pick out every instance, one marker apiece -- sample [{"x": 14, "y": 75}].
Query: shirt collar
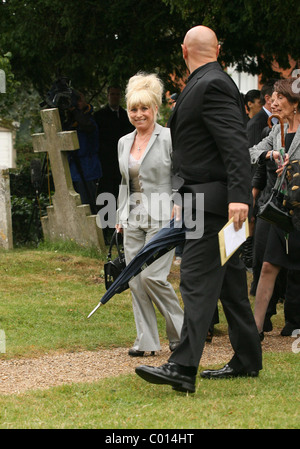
[
  {"x": 274, "y": 119},
  {"x": 267, "y": 111}
]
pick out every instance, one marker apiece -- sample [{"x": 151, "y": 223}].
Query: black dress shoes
[
  {"x": 167, "y": 374},
  {"x": 136, "y": 353},
  {"x": 226, "y": 372}
]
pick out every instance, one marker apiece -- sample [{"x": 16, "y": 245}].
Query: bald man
[{"x": 211, "y": 157}]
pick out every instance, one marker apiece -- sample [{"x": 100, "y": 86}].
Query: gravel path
[{"x": 49, "y": 370}]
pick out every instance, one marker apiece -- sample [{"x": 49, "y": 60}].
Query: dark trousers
[{"x": 203, "y": 282}]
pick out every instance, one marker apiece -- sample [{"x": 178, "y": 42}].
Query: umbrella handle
[{"x": 281, "y": 126}]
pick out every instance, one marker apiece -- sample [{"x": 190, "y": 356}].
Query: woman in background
[{"x": 281, "y": 251}]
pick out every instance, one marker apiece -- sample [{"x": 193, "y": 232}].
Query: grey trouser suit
[{"x": 150, "y": 287}]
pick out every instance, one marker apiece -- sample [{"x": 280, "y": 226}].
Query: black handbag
[
  {"x": 113, "y": 268},
  {"x": 274, "y": 211},
  {"x": 292, "y": 197}
]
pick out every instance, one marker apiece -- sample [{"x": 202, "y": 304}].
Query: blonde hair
[{"x": 144, "y": 89}]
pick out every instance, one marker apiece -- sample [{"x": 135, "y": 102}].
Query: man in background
[
  {"x": 113, "y": 123},
  {"x": 259, "y": 121}
]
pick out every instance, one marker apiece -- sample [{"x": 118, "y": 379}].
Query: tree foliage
[
  {"x": 253, "y": 33},
  {"x": 95, "y": 43},
  {"x": 99, "y": 42}
]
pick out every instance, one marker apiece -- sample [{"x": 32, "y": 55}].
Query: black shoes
[
  {"x": 167, "y": 374},
  {"x": 172, "y": 374},
  {"x": 226, "y": 372},
  {"x": 136, "y": 353}
]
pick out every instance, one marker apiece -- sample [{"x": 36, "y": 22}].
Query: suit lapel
[
  {"x": 153, "y": 138},
  {"x": 128, "y": 142}
]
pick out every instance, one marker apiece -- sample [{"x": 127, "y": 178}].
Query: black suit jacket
[
  {"x": 255, "y": 127},
  {"x": 210, "y": 146}
]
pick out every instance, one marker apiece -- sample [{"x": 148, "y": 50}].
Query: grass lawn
[{"x": 45, "y": 297}]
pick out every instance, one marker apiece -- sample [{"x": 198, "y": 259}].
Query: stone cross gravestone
[
  {"x": 7, "y": 161},
  {"x": 67, "y": 218}
]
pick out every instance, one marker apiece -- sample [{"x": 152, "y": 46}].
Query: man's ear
[
  {"x": 184, "y": 51},
  {"x": 268, "y": 100}
]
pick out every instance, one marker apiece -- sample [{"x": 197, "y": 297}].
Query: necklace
[{"x": 142, "y": 142}]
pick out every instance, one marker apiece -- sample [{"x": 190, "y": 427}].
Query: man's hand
[{"x": 239, "y": 212}]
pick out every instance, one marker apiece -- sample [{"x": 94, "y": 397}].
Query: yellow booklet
[{"x": 230, "y": 240}]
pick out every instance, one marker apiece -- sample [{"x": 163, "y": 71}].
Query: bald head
[{"x": 199, "y": 47}]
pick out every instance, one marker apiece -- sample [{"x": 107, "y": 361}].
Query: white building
[{"x": 243, "y": 80}]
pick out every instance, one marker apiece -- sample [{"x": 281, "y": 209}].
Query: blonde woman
[{"x": 144, "y": 206}]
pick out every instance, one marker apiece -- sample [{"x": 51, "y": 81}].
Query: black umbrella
[{"x": 165, "y": 240}]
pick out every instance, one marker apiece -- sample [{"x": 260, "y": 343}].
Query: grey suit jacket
[
  {"x": 273, "y": 142},
  {"x": 154, "y": 176}
]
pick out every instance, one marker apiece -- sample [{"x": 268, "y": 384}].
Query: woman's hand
[
  {"x": 280, "y": 165},
  {"x": 176, "y": 212},
  {"x": 276, "y": 155},
  {"x": 119, "y": 228},
  {"x": 280, "y": 161}
]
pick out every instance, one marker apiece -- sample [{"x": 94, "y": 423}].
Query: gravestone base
[{"x": 76, "y": 224}]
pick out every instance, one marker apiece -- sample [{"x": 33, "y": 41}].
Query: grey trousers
[{"x": 152, "y": 287}]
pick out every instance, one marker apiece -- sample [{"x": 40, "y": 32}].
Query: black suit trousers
[{"x": 203, "y": 282}]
